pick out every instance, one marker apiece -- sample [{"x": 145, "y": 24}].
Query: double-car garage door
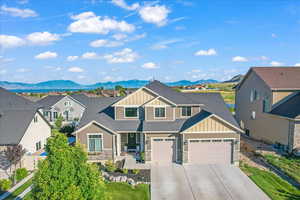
[{"x": 214, "y": 151}]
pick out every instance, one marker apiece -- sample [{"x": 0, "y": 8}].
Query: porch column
[{"x": 118, "y": 144}]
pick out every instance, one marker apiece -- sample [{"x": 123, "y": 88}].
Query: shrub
[
  {"x": 125, "y": 171},
  {"x": 21, "y": 173},
  {"x": 110, "y": 166},
  {"x": 5, "y": 184},
  {"x": 135, "y": 171},
  {"x": 67, "y": 129},
  {"x": 59, "y": 121}
]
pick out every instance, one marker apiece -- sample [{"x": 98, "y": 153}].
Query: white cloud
[
  {"x": 264, "y": 58},
  {"x": 274, "y": 35},
  {"x": 88, "y": 22},
  {"x": 23, "y": 1},
  {"x": 46, "y": 55},
  {"x": 208, "y": 52},
  {"x": 123, "y": 4},
  {"x": 5, "y": 60},
  {"x": 81, "y": 77},
  {"x": 75, "y": 69},
  {"x": 297, "y": 65},
  {"x": 276, "y": 63},
  {"x": 10, "y": 41},
  {"x": 150, "y": 65},
  {"x": 124, "y": 56},
  {"x": 239, "y": 59},
  {"x": 136, "y": 37},
  {"x": 16, "y": 12},
  {"x": 42, "y": 38},
  {"x": 22, "y": 70},
  {"x": 105, "y": 43},
  {"x": 119, "y": 36},
  {"x": 164, "y": 44},
  {"x": 108, "y": 78},
  {"x": 90, "y": 55},
  {"x": 72, "y": 58},
  {"x": 196, "y": 70},
  {"x": 155, "y": 14}
]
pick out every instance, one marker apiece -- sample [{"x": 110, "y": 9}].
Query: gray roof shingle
[
  {"x": 101, "y": 111},
  {"x": 288, "y": 107},
  {"x": 16, "y": 113}
]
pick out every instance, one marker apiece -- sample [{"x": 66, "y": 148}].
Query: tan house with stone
[
  {"x": 168, "y": 126},
  {"x": 268, "y": 105}
]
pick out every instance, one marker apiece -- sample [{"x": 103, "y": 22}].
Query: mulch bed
[{"x": 142, "y": 176}]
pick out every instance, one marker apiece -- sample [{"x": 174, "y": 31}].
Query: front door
[{"x": 131, "y": 141}]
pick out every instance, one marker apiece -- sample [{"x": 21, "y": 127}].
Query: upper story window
[
  {"x": 35, "y": 119},
  {"x": 38, "y": 145},
  {"x": 95, "y": 143},
  {"x": 160, "y": 112},
  {"x": 266, "y": 105},
  {"x": 186, "y": 111},
  {"x": 46, "y": 113},
  {"x": 131, "y": 112},
  {"x": 55, "y": 115},
  {"x": 254, "y": 95},
  {"x": 68, "y": 103}
]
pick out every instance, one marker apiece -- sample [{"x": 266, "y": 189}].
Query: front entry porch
[{"x": 131, "y": 142}]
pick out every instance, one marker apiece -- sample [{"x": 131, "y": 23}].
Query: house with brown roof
[
  {"x": 268, "y": 105},
  {"x": 164, "y": 124}
]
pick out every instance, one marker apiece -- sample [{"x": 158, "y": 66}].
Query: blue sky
[{"x": 88, "y": 41}]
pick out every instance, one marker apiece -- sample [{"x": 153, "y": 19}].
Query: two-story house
[
  {"x": 168, "y": 126},
  {"x": 21, "y": 123},
  {"x": 70, "y": 107},
  {"x": 268, "y": 105}
]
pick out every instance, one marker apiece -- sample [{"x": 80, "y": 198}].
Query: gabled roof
[
  {"x": 278, "y": 78},
  {"x": 288, "y": 107},
  {"x": 50, "y": 100},
  {"x": 16, "y": 113},
  {"x": 100, "y": 110}
]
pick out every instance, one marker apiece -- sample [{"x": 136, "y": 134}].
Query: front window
[
  {"x": 55, "y": 115},
  {"x": 160, "y": 112},
  {"x": 131, "y": 112},
  {"x": 186, "y": 111},
  {"x": 38, "y": 146},
  {"x": 95, "y": 143}
]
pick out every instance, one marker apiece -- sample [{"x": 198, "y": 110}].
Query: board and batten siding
[
  {"x": 82, "y": 137},
  {"x": 158, "y": 102},
  {"x": 297, "y": 135},
  {"x": 137, "y": 98},
  {"x": 36, "y": 132},
  {"x": 211, "y": 124},
  {"x": 277, "y": 96}
]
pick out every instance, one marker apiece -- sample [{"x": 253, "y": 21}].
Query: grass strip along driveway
[
  {"x": 275, "y": 187},
  {"x": 19, "y": 190},
  {"x": 289, "y": 165}
]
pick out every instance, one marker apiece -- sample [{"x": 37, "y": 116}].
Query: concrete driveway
[{"x": 202, "y": 182}]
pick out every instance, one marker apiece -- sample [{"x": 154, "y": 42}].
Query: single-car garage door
[
  {"x": 163, "y": 150},
  {"x": 210, "y": 151}
]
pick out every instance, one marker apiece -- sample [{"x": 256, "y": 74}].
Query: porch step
[{"x": 130, "y": 163}]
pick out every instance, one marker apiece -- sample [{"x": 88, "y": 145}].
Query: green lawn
[
  {"x": 289, "y": 165},
  {"x": 19, "y": 190},
  {"x": 123, "y": 191},
  {"x": 275, "y": 187}
]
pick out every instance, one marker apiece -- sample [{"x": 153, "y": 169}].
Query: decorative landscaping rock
[{"x": 130, "y": 181}]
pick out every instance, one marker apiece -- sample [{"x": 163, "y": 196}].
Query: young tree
[
  {"x": 121, "y": 90},
  {"x": 59, "y": 121},
  {"x": 14, "y": 155},
  {"x": 65, "y": 174}
]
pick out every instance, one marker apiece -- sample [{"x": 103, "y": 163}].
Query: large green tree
[{"x": 65, "y": 174}]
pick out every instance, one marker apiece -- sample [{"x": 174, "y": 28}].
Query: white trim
[
  {"x": 209, "y": 132},
  {"x": 113, "y": 132},
  {"x": 156, "y": 98},
  {"x": 173, "y": 137},
  {"x": 102, "y": 143}
]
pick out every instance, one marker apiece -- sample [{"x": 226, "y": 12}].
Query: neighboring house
[
  {"x": 268, "y": 105},
  {"x": 21, "y": 123},
  {"x": 70, "y": 107},
  {"x": 167, "y": 125}
]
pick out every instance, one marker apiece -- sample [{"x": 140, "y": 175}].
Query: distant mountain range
[
  {"x": 235, "y": 79},
  {"x": 67, "y": 84}
]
